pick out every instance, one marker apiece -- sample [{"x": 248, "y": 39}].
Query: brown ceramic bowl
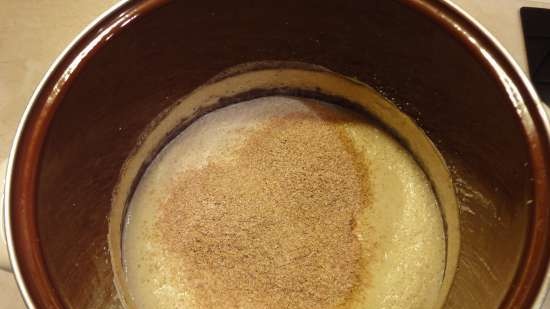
[{"x": 433, "y": 62}]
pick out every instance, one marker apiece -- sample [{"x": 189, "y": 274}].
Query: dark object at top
[{"x": 536, "y": 31}]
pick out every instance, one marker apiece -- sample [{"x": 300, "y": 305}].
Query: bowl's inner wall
[{"x": 162, "y": 56}]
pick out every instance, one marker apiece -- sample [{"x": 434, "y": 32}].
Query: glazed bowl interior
[{"x": 145, "y": 55}]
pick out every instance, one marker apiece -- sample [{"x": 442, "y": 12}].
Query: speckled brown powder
[{"x": 273, "y": 228}]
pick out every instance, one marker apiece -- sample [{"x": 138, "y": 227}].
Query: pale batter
[{"x": 185, "y": 246}]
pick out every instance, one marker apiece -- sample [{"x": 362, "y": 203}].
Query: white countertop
[{"x": 34, "y": 32}]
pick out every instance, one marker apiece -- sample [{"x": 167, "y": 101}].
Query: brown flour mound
[{"x": 273, "y": 228}]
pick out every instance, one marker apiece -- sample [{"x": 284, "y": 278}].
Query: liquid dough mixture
[{"x": 283, "y": 202}]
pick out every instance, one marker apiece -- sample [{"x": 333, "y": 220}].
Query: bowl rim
[{"x": 532, "y": 280}]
